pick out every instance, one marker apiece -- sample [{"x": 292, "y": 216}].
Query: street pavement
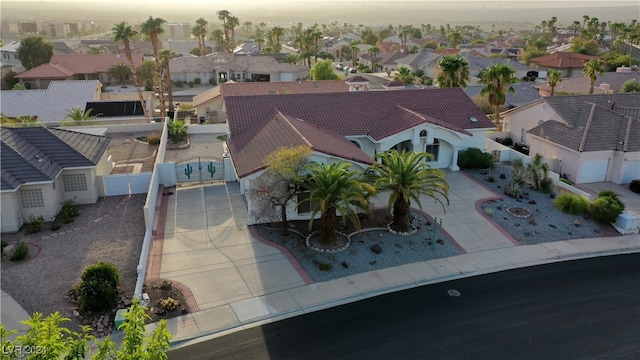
[{"x": 237, "y": 281}]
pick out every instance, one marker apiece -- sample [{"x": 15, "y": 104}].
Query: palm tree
[
  {"x": 152, "y": 28},
  {"x": 407, "y": 176},
  {"x": 218, "y": 36},
  {"x": 553, "y": 78},
  {"x": 333, "y": 188},
  {"x": 453, "y": 71},
  {"x": 259, "y": 40},
  {"x": 585, "y": 18},
  {"x": 80, "y": 117},
  {"x": 404, "y": 75},
  {"x": 123, "y": 32},
  {"x": 455, "y": 39},
  {"x": 354, "y": 52},
  {"x": 166, "y": 55},
  {"x": 232, "y": 24},
  {"x": 592, "y": 69},
  {"x": 278, "y": 33},
  {"x": 497, "y": 80},
  {"x": 120, "y": 71},
  {"x": 373, "y": 51},
  {"x": 200, "y": 31},
  {"x": 247, "y": 27},
  {"x": 223, "y": 15}
]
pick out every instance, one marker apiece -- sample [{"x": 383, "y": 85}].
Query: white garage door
[
  {"x": 593, "y": 171},
  {"x": 631, "y": 171},
  {"x": 286, "y": 77}
]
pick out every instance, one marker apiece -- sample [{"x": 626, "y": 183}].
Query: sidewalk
[{"x": 12, "y": 313}]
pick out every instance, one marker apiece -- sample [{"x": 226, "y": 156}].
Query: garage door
[
  {"x": 631, "y": 171},
  {"x": 593, "y": 171}
]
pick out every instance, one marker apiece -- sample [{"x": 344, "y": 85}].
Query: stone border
[
  {"x": 307, "y": 241},
  {"x": 401, "y": 233},
  {"x": 519, "y": 216}
]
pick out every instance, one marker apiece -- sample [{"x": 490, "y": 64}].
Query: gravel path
[
  {"x": 546, "y": 223},
  {"x": 358, "y": 257},
  {"x": 110, "y": 230}
]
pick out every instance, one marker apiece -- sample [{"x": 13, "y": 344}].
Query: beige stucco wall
[
  {"x": 212, "y": 105},
  {"x": 88, "y": 196},
  {"x": 527, "y": 118}
]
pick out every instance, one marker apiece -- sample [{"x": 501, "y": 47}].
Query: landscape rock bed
[
  {"x": 362, "y": 255},
  {"x": 546, "y": 223}
]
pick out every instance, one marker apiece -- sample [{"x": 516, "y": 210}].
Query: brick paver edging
[
  {"x": 154, "y": 265},
  {"x": 480, "y": 209},
  {"x": 285, "y": 251}
]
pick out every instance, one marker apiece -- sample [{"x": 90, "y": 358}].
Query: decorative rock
[
  {"x": 439, "y": 241},
  {"x": 372, "y": 262},
  {"x": 498, "y": 186},
  {"x": 553, "y": 226},
  {"x": 398, "y": 245},
  {"x": 354, "y": 251},
  {"x": 532, "y": 221},
  {"x": 576, "y": 223},
  {"x": 532, "y": 202},
  {"x": 9, "y": 251},
  {"x": 345, "y": 265},
  {"x": 127, "y": 302},
  {"x": 76, "y": 313},
  {"x": 499, "y": 207},
  {"x": 516, "y": 224},
  {"x": 376, "y": 249},
  {"x": 503, "y": 176},
  {"x": 553, "y": 196},
  {"x": 597, "y": 231}
]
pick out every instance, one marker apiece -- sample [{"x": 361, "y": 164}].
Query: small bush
[
  {"x": 170, "y": 304},
  {"x": 513, "y": 190},
  {"x": 489, "y": 211},
  {"x": 491, "y": 179},
  {"x": 98, "y": 288},
  {"x": 21, "y": 252},
  {"x": 34, "y": 225},
  {"x": 197, "y": 81},
  {"x": 507, "y": 141},
  {"x": 166, "y": 285},
  {"x": 566, "y": 181},
  {"x": 178, "y": 83},
  {"x": 212, "y": 81},
  {"x": 190, "y": 83},
  {"x": 605, "y": 209},
  {"x": 546, "y": 186},
  {"x": 153, "y": 139},
  {"x": 325, "y": 266},
  {"x": 571, "y": 203},
  {"x": 69, "y": 210},
  {"x": 613, "y": 195},
  {"x": 474, "y": 158}
]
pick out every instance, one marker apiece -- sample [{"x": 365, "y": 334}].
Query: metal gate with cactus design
[{"x": 199, "y": 169}]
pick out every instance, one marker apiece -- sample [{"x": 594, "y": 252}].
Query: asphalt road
[{"x": 585, "y": 309}]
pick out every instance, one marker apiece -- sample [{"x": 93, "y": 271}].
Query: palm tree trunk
[
  {"x": 328, "y": 226},
  {"x": 154, "y": 43},
  {"x": 401, "y": 218},
  {"x": 136, "y": 82},
  {"x": 496, "y": 115},
  {"x": 169, "y": 87},
  {"x": 285, "y": 224}
]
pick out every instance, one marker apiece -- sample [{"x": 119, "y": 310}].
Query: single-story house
[
  {"x": 187, "y": 68},
  {"x": 353, "y": 127},
  {"x": 74, "y": 67},
  {"x": 43, "y": 167},
  {"x": 569, "y": 64},
  {"x": 524, "y": 94},
  {"x": 607, "y": 83},
  {"x": 418, "y": 61},
  {"x": 387, "y": 59},
  {"x": 590, "y": 138},
  {"x": 9, "y": 54}
]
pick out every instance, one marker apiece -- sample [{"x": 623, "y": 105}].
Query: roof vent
[
  {"x": 299, "y": 119},
  {"x": 473, "y": 119}
]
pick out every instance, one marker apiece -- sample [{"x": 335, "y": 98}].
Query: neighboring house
[
  {"x": 50, "y": 105},
  {"x": 419, "y": 61},
  {"x": 336, "y": 48},
  {"x": 248, "y": 48},
  {"x": 590, "y": 138},
  {"x": 9, "y": 54},
  {"x": 260, "y": 68},
  {"x": 607, "y": 83},
  {"x": 42, "y": 167},
  {"x": 210, "y": 104},
  {"x": 187, "y": 68},
  {"x": 524, "y": 94},
  {"x": 569, "y": 64},
  {"x": 352, "y": 127},
  {"x": 74, "y": 67},
  {"x": 387, "y": 59},
  {"x": 183, "y": 47}
]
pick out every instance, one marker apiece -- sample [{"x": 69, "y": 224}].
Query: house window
[
  {"x": 523, "y": 136},
  {"x": 423, "y": 134},
  {"x": 304, "y": 205},
  {"x": 434, "y": 149},
  {"x": 356, "y": 144},
  {"x": 74, "y": 182},
  {"x": 31, "y": 198}
]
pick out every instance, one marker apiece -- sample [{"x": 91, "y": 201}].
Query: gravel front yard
[{"x": 110, "y": 230}]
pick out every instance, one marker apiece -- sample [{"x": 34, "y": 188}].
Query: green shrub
[
  {"x": 197, "y": 81},
  {"x": 613, "y": 195},
  {"x": 507, "y": 141},
  {"x": 177, "y": 130},
  {"x": 489, "y": 211},
  {"x": 21, "y": 252},
  {"x": 491, "y": 179},
  {"x": 190, "y": 83},
  {"x": 178, "y": 83},
  {"x": 98, "y": 288},
  {"x": 325, "y": 266},
  {"x": 474, "y": 158},
  {"x": 69, "y": 210},
  {"x": 34, "y": 225},
  {"x": 571, "y": 203},
  {"x": 606, "y": 209},
  {"x": 546, "y": 185},
  {"x": 513, "y": 190},
  {"x": 566, "y": 181}
]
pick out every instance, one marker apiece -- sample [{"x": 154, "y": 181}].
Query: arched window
[
  {"x": 423, "y": 133},
  {"x": 433, "y": 149}
]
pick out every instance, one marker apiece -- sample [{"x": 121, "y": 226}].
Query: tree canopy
[
  {"x": 34, "y": 51},
  {"x": 632, "y": 85},
  {"x": 323, "y": 70}
]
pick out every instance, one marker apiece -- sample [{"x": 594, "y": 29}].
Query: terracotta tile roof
[
  {"x": 447, "y": 51},
  {"x": 356, "y": 113},
  {"x": 284, "y": 87},
  {"x": 206, "y": 96},
  {"x": 594, "y": 123},
  {"x": 276, "y": 130},
  {"x": 563, "y": 60},
  {"x": 77, "y": 64},
  {"x": 401, "y": 118}
]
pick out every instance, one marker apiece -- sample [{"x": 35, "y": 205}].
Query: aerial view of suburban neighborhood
[{"x": 320, "y": 179}]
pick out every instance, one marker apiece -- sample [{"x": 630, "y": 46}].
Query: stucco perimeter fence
[{"x": 503, "y": 153}]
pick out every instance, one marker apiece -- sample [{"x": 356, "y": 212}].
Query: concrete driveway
[{"x": 630, "y": 199}]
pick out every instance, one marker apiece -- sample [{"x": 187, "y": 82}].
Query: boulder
[
  {"x": 9, "y": 251},
  {"x": 376, "y": 248},
  {"x": 576, "y": 223}
]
